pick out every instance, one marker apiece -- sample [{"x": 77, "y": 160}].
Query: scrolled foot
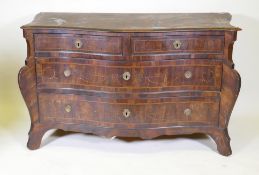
[
  {"x": 35, "y": 136},
  {"x": 222, "y": 140}
]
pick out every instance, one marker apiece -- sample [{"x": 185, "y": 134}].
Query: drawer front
[
  {"x": 178, "y": 44},
  {"x": 68, "y": 108},
  {"x": 113, "y": 76},
  {"x": 79, "y": 43}
]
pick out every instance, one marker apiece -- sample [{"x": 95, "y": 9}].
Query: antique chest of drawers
[{"x": 130, "y": 75}]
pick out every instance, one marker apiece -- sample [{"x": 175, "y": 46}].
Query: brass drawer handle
[
  {"x": 67, "y": 72},
  {"x": 126, "y": 113},
  {"x": 78, "y": 44},
  {"x": 126, "y": 76},
  {"x": 187, "y": 112},
  {"x": 177, "y": 44},
  {"x": 188, "y": 74},
  {"x": 68, "y": 108}
]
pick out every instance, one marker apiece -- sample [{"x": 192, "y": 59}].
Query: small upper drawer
[
  {"x": 172, "y": 44},
  {"x": 95, "y": 44}
]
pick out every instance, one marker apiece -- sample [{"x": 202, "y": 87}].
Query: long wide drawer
[
  {"x": 69, "y": 108},
  {"x": 130, "y": 76}
]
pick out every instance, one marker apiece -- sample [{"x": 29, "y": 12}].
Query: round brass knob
[
  {"x": 78, "y": 44},
  {"x": 68, "y": 108},
  {"x": 187, "y": 112},
  {"x": 177, "y": 44},
  {"x": 126, "y": 113},
  {"x": 188, "y": 74},
  {"x": 67, "y": 72},
  {"x": 126, "y": 76}
]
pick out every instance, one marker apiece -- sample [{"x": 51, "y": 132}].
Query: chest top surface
[{"x": 133, "y": 22}]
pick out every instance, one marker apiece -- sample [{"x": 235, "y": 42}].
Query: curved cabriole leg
[
  {"x": 35, "y": 136},
  {"x": 27, "y": 84},
  {"x": 222, "y": 140}
]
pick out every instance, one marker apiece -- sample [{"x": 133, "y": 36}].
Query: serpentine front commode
[{"x": 130, "y": 75}]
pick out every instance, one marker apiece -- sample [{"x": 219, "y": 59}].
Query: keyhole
[
  {"x": 126, "y": 75},
  {"x": 177, "y": 44},
  {"x": 78, "y": 44},
  {"x": 126, "y": 113}
]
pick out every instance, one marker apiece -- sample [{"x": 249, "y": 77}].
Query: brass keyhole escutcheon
[
  {"x": 126, "y": 113},
  {"x": 177, "y": 44},
  {"x": 68, "y": 108},
  {"x": 188, "y": 74},
  {"x": 187, "y": 112},
  {"x": 78, "y": 44},
  {"x": 67, "y": 72},
  {"x": 126, "y": 76}
]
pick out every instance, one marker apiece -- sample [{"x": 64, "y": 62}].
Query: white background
[{"x": 68, "y": 153}]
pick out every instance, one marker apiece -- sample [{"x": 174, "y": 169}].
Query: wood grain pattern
[
  {"x": 89, "y": 43},
  {"x": 145, "y": 112},
  {"x": 108, "y": 76},
  {"x": 171, "y": 91},
  {"x": 151, "y": 45}
]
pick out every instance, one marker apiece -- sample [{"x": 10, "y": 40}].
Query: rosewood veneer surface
[{"x": 130, "y": 75}]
